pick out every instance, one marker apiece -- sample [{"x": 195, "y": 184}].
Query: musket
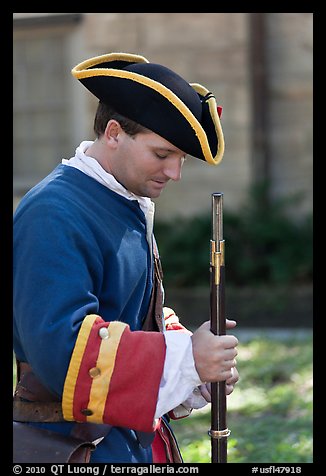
[{"x": 219, "y": 431}]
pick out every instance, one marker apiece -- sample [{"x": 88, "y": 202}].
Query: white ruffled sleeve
[{"x": 180, "y": 381}]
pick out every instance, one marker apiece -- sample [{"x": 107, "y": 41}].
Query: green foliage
[
  {"x": 263, "y": 245},
  {"x": 184, "y": 250},
  {"x": 269, "y": 412}
]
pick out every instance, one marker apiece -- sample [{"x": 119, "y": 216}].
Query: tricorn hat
[{"x": 185, "y": 114}]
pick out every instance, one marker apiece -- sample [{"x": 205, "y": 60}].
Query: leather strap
[
  {"x": 153, "y": 321},
  {"x": 33, "y": 402},
  {"x": 38, "y": 445},
  {"x": 45, "y": 412}
]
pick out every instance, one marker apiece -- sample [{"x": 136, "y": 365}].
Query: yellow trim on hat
[
  {"x": 80, "y": 72},
  {"x": 108, "y": 57},
  {"x": 217, "y": 124}
]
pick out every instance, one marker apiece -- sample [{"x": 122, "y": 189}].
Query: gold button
[
  {"x": 103, "y": 333},
  {"x": 94, "y": 372}
]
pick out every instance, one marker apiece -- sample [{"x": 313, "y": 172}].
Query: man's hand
[{"x": 215, "y": 355}]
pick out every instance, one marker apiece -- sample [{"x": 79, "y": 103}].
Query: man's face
[{"x": 145, "y": 163}]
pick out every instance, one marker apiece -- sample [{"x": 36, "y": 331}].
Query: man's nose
[{"x": 172, "y": 168}]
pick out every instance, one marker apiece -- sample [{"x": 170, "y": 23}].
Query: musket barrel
[
  {"x": 219, "y": 431},
  {"x": 217, "y": 217}
]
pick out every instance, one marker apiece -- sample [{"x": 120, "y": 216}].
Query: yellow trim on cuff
[
  {"x": 74, "y": 366},
  {"x": 105, "y": 363}
]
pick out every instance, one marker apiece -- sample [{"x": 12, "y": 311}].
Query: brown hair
[{"x": 105, "y": 112}]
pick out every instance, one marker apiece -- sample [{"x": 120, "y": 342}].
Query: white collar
[{"x": 92, "y": 168}]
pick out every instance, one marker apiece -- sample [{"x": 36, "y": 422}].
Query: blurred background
[{"x": 259, "y": 67}]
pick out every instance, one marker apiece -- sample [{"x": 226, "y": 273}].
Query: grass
[{"x": 269, "y": 412}]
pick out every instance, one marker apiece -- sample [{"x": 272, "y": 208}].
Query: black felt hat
[{"x": 185, "y": 114}]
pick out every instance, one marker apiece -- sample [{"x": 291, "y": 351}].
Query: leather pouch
[{"x": 38, "y": 445}]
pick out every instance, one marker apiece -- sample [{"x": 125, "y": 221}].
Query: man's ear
[{"x": 112, "y": 130}]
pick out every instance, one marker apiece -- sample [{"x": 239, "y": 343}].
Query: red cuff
[{"x": 114, "y": 375}]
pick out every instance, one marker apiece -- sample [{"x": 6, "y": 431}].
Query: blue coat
[{"x": 80, "y": 249}]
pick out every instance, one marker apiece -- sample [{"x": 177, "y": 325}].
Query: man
[{"x": 95, "y": 347}]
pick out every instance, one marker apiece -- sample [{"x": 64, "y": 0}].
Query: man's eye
[{"x": 161, "y": 156}]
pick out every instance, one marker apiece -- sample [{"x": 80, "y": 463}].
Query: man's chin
[
  {"x": 154, "y": 191},
  {"x": 154, "y": 194}
]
